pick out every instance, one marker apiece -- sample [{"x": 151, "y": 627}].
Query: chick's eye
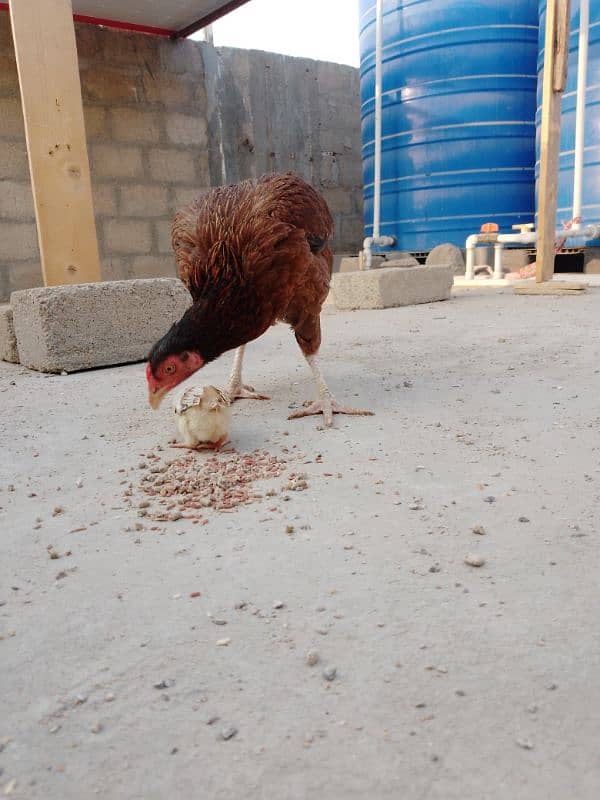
[{"x": 170, "y": 368}]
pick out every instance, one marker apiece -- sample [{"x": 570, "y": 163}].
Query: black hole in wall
[{"x": 568, "y": 262}]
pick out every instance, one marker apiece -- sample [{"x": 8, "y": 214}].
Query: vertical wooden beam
[
  {"x": 44, "y": 39},
  {"x": 556, "y": 52}
]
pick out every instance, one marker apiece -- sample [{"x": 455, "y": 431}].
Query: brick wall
[{"x": 165, "y": 120}]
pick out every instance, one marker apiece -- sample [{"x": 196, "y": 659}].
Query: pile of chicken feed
[{"x": 188, "y": 486}]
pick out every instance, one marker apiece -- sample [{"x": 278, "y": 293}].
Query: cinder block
[
  {"x": 163, "y": 236},
  {"x": 116, "y": 162},
  {"x": 16, "y": 200},
  {"x": 514, "y": 258},
  {"x": 172, "y": 166},
  {"x": 105, "y": 199},
  {"x": 110, "y": 84},
  {"x": 591, "y": 260},
  {"x": 390, "y": 287},
  {"x": 187, "y": 130},
  {"x": 447, "y": 254},
  {"x": 170, "y": 92},
  {"x": 8, "y": 340},
  {"x": 18, "y": 241},
  {"x": 401, "y": 261},
  {"x": 70, "y": 328},
  {"x": 144, "y": 201},
  {"x": 154, "y": 266},
  {"x": 12, "y": 118},
  {"x": 95, "y": 122},
  {"x": 132, "y": 125},
  {"x": 13, "y": 160},
  {"x": 127, "y": 236}
]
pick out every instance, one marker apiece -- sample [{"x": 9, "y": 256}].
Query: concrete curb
[
  {"x": 389, "y": 287},
  {"x": 8, "y": 340},
  {"x": 70, "y": 328}
]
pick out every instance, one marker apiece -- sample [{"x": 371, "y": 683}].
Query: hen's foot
[
  {"x": 328, "y": 406},
  {"x": 242, "y": 392}
]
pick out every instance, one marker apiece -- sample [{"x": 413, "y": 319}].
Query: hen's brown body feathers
[{"x": 256, "y": 253}]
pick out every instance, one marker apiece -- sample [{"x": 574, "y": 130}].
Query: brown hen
[{"x": 251, "y": 254}]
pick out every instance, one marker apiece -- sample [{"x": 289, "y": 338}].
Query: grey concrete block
[
  {"x": 591, "y": 260},
  {"x": 70, "y": 328},
  {"x": 8, "y": 340},
  {"x": 405, "y": 261},
  {"x": 447, "y": 255},
  {"x": 390, "y": 287}
]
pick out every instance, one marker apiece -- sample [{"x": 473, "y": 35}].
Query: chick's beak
[{"x": 155, "y": 396}]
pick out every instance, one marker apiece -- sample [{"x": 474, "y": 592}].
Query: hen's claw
[
  {"x": 243, "y": 392},
  {"x": 203, "y": 445},
  {"x": 328, "y": 406}
]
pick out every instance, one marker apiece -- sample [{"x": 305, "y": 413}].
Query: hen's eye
[{"x": 170, "y": 368}]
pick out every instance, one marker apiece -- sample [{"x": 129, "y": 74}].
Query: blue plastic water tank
[
  {"x": 458, "y": 122},
  {"x": 591, "y": 161}
]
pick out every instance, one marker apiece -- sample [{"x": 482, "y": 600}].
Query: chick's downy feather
[{"x": 203, "y": 415}]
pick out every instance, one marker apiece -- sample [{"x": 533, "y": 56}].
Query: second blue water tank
[{"x": 458, "y": 122}]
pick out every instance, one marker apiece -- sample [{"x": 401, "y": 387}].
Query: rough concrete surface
[
  {"x": 446, "y": 254},
  {"x": 69, "y": 328},
  {"x": 453, "y": 682},
  {"x": 8, "y": 340},
  {"x": 387, "y": 287}
]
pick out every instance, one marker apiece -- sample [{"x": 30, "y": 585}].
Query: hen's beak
[{"x": 155, "y": 397}]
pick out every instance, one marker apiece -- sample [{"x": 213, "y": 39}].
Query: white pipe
[
  {"x": 377, "y": 180},
  {"x": 382, "y": 241},
  {"x": 582, "y": 60},
  {"x": 498, "y": 247}
]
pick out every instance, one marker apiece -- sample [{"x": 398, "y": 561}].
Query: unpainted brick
[
  {"x": 171, "y": 92},
  {"x": 172, "y": 166},
  {"x": 141, "y": 200},
  {"x": 105, "y": 199},
  {"x": 154, "y": 267},
  {"x": 13, "y": 159},
  {"x": 339, "y": 200},
  {"x": 127, "y": 236},
  {"x": 133, "y": 125},
  {"x": 186, "y": 129},
  {"x": 115, "y": 268},
  {"x": 110, "y": 85},
  {"x": 24, "y": 275},
  {"x": 11, "y": 118},
  {"x": 9, "y": 81},
  {"x": 16, "y": 200},
  {"x": 182, "y": 195},
  {"x": 95, "y": 122},
  {"x": 116, "y": 161},
  {"x": 163, "y": 235},
  {"x": 18, "y": 241}
]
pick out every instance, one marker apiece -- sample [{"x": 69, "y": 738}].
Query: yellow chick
[{"x": 203, "y": 416}]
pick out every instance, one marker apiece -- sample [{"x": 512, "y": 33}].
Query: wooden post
[
  {"x": 44, "y": 39},
  {"x": 556, "y": 52}
]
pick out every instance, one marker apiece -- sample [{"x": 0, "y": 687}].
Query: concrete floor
[{"x": 453, "y": 683}]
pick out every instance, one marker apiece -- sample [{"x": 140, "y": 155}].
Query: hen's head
[{"x": 171, "y": 360}]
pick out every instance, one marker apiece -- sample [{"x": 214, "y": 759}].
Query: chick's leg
[
  {"x": 325, "y": 403},
  {"x": 236, "y": 389}
]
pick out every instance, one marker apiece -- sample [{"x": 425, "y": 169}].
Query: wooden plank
[
  {"x": 555, "y": 69},
  {"x": 551, "y": 287},
  {"x": 44, "y": 39}
]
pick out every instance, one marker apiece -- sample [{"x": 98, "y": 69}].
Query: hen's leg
[
  {"x": 326, "y": 403},
  {"x": 236, "y": 389}
]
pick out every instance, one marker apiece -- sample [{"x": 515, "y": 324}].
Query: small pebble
[
  {"x": 532, "y": 708},
  {"x": 109, "y": 697},
  {"x": 278, "y": 604},
  {"x": 490, "y": 499},
  {"x": 329, "y": 673},
  {"x": 523, "y": 519},
  {"x": 479, "y": 530},
  {"x": 228, "y": 732},
  {"x": 474, "y": 560},
  {"x": 223, "y": 642},
  {"x": 551, "y": 687},
  {"x": 526, "y": 744},
  {"x": 96, "y": 727},
  {"x": 217, "y": 621},
  {"x": 312, "y": 658}
]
